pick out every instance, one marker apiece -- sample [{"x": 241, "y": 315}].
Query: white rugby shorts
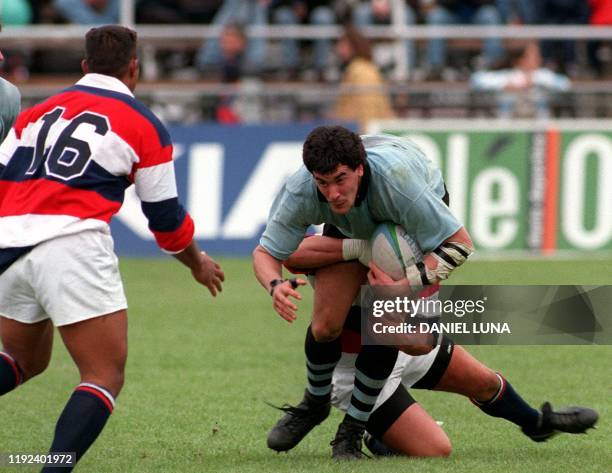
[
  {"x": 67, "y": 279},
  {"x": 407, "y": 370}
]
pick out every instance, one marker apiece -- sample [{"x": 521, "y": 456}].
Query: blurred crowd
[{"x": 491, "y": 64}]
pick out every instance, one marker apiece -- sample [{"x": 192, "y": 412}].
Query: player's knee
[
  {"x": 442, "y": 448},
  {"x": 116, "y": 379},
  {"x": 32, "y": 367},
  {"x": 113, "y": 382},
  {"x": 488, "y": 385},
  {"x": 437, "y": 447},
  {"x": 111, "y": 378},
  {"x": 325, "y": 332}
]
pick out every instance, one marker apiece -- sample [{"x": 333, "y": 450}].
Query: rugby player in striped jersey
[{"x": 64, "y": 169}]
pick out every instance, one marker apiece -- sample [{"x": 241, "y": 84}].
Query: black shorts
[{"x": 385, "y": 415}]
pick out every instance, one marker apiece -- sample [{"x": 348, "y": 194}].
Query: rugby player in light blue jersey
[
  {"x": 354, "y": 184},
  {"x": 10, "y": 103}
]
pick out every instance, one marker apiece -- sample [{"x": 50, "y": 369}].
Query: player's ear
[
  {"x": 84, "y": 66},
  {"x": 359, "y": 170},
  {"x": 134, "y": 67}
]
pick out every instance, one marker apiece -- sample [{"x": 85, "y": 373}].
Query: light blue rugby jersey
[
  {"x": 400, "y": 185},
  {"x": 10, "y": 102}
]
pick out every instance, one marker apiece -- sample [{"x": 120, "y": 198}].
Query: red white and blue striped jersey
[{"x": 66, "y": 163}]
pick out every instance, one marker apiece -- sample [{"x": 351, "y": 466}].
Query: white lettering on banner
[
  {"x": 486, "y": 207},
  {"x": 457, "y": 164},
  {"x": 250, "y": 212},
  {"x": 205, "y": 188},
  {"x": 205, "y": 192},
  {"x": 574, "y": 191}
]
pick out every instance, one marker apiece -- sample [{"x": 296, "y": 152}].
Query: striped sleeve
[{"x": 155, "y": 184}]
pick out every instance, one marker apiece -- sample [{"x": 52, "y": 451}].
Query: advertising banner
[
  {"x": 227, "y": 178},
  {"x": 517, "y": 186},
  {"x": 536, "y": 186}
]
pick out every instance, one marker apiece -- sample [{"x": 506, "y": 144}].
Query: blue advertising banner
[{"x": 227, "y": 178}]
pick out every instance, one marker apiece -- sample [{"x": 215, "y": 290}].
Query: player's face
[{"x": 340, "y": 187}]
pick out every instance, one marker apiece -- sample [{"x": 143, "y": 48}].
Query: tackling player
[
  {"x": 352, "y": 184},
  {"x": 398, "y": 424},
  {"x": 10, "y": 101},
  {"x": 64, "y": 168}
]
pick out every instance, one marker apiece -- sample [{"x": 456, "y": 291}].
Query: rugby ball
[{"x": 393, "y": 250}]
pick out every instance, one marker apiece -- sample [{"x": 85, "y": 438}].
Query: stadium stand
[{"x": 175, "y": 88}]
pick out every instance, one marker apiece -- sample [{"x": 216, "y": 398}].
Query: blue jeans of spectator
[
  {"x": 79, "y": 12},
  {"x": 362, "y": 16},
  {"x": 245, "y": 12},
  {"x": 484, "y": 16},
  {"x": 525, "y": 10},
  {"x": 320, "y": 16}
]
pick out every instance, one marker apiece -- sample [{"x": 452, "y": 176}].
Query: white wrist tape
[
  {"x": 353, "y": 248},
  {"x": 448, "y": 255},
  {"x": 417, "y": 275}
]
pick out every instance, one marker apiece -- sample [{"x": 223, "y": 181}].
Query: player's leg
[
  {"x": 336, "y": 286},
  {"x": 406, "y": 429},
  {"x": 495, "y": 396},
  {"x": 25, "y": 329},
  {"x": 78, "y": 284},
  {"x": 397, "y": 421},
  {"x": 26, "y": 351},
  {"x": 98, "y": 346}
]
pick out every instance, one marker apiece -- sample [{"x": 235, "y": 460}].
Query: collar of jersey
[
  {"x": 101, "y": 81},
  {"x": 362, "y": 192}
]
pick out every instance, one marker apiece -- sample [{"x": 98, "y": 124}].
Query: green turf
[{"x": 200, "y": 370}]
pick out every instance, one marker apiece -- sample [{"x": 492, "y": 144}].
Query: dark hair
[
  {"x": 359, "y": 44},
  {"x": 328, "y": 147},
  {"x": 109, "y": 49}
]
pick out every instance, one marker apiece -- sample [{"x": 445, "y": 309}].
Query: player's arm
[
  {"x": 171, "y": 225},
  {"x": 203, "y": 268},
  {"x": 438, "y": 264},
  {"x": 317, "y": 251},
  {"x": 268, "y": 271},
  {"x": 442, "y": 261}
]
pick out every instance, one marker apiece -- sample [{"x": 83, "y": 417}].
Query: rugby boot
[
  {"x": 572, "y": 420},
  {"x": 347, "y": 443},
  {"x": 297, "y": 422},
  {"x": 377, "y": 447}
]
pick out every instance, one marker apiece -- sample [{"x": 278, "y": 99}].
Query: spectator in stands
[
  {"x": 450, "y": 12},
  {"x": 561, "y": 55},
  {"x": 235, "y": 104},
  {"x": 523, "y": 89},
  {"x": 15, "y": 64},
  {"x": 383, "y": 12},
  {"x": 518, "y": 12},
  {"x": 246, "y": 12},
  {"x": 299, "y": 12},
  {"x": 601, "y": 15},
  {"x": 181, "y": 11},
  {"x": 89, "y": 12},
  {"x": 372, "y": 101}
]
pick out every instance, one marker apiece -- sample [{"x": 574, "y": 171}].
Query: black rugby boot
[{"x": 297, "y": 422}]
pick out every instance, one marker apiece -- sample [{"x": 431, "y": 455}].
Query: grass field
[{"x": 199, "y": 371}]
